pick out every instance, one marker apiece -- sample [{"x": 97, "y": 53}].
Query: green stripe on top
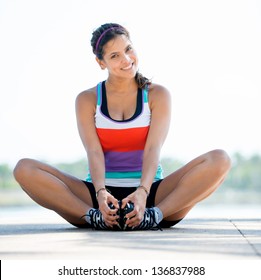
[
  {"x": 99, "y": 94},
  {"x": 128, "y": 175},
  {"x": 132, "y": 175},
  {"x": 159, "y": 173},
  {"x": 145, "y": 95},
  {"x": 123, "y": 175}
]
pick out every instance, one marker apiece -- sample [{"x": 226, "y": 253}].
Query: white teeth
[{"x": 128, "y": 67}]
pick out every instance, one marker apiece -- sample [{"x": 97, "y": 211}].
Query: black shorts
[{"x": 122, "y": 192}]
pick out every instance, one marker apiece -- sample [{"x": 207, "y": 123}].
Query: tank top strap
[
  {"x": 145, "y": 94},
  {"x": 99, "y": 94}
]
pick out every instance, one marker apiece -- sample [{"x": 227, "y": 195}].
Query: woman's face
[{"x": 119, "y": 57}]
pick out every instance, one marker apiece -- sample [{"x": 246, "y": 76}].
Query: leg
[
  {"x": 181, "y": 190},
  {"x": 55, "y": 190}
]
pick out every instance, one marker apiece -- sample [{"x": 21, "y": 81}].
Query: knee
[
  {"x": 22, "y": 169},
  {"x": 220, "y": 161}
]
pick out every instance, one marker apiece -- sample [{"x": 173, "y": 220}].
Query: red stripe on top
[{"x": 123, "y": 140}]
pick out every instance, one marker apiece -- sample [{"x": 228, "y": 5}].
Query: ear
[{"x": 101, "y": 63}]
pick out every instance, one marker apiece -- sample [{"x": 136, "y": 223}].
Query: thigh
[
  {"x": 169, "y": 183},
  {"x": 78, "y": 187},
  {"x": 34, "y": 173},
  {"x": 210, "y": 168},
  {"x": 167, "y": 222}
]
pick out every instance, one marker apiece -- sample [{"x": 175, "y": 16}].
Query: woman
[{"x": 123, "y": 123}]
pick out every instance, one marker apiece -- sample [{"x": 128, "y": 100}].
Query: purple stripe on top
[{"x": 123, "y": 161}]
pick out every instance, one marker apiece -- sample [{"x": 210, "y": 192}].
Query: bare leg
[
  {"x": 181, "y": 190},
  {"x": 53, "y": 189}
]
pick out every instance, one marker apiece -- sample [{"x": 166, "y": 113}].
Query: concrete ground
[{"x": 205, "y": 234}]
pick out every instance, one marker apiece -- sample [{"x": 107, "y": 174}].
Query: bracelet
[
  {"x": 146, "y": 191},
  {"x": 101, "y": 189}
]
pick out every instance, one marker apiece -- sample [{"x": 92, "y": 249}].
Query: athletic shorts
[{"x": 122, "y": 192}]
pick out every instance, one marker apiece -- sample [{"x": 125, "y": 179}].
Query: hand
[
  {"x": 109, "y": 215},
  {"x": 138, "y": 198}
]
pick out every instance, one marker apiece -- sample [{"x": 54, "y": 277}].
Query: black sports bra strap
[{"x": 104, "y": 105}]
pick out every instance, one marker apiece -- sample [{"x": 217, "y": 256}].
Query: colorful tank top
[{"x": 123, "y": 141}]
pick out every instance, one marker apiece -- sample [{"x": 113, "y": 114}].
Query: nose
[{"x": 126, "y": 58}]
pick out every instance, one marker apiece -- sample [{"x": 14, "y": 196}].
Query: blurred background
[{"x": 207, "y": 53}]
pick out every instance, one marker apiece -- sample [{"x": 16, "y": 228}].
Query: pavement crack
[{"x": 245, "y": 237}]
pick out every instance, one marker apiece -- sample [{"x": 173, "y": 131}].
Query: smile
[{"x": 128, "y": 67}]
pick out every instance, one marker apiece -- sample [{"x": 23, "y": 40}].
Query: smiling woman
[
  {"x": 106, "y": 37},
  {"x": 123, "y": 123}
]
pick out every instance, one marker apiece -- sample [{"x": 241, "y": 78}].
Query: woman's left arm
[{"x": 160, "y": 105}]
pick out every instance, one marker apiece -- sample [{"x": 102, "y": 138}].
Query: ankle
[
  {"x": 87, "y": 216},
  {"x": 159, "y": 216}
]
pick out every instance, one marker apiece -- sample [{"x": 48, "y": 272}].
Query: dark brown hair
[{"x": 107, "y": 32}]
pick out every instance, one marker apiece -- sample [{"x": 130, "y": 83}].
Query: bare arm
[
  {"x": 160, "y": 104},
  {"x": 160, "y": 121},
  {"x": 85, "y": 112}
]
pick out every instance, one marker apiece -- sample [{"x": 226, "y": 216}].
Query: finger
[
  {"x": 115, "y": 202},
  {"x": 132, "y": 221},
  {"x": 132, "y": 214},
  {"x": 111, "y": 220},
  {"x": 112, "y": 217},
  {"x": 135, "y": 221},
  {"x": 126, "y": 200},
  {"x": 111, "y": 210},
  {"x": 111, "y": 223}
]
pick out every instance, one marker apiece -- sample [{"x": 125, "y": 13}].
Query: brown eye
[{"x": 114, "y": 56}]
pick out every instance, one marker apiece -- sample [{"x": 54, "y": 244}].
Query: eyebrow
[{"x": 113, "y": 53}]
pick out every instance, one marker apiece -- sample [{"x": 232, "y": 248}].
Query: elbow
[
  {"x": 95, "y": 153},
  {"x": 153, "y": 153}
]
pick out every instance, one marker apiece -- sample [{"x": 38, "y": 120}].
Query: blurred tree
[
  {"x": 245, "y": 174},
  {"x": 5, "y": 175}
]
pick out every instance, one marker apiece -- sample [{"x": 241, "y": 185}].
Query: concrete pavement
[{"x": 37, "y": 233}]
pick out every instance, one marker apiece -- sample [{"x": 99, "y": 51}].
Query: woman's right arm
[{"x": 85, "y": 106}]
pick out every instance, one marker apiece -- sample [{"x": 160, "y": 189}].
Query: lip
[{"x": 128, "y": 67}]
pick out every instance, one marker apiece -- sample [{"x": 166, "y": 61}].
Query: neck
[{"x": 121, "y": 85}]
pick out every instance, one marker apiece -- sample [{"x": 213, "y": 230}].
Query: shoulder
[
  {"x": 87, "y": 95},
  {"x": 86, "y": 100},
  {"x": 158, "y": 93}
]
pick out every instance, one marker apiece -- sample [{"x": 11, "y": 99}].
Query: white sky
[{"x": 207, "y": 53}]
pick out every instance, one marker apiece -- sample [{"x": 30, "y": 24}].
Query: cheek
[
  {"x": 135, "y": 57},
  {"x": 136, "y": 61},
  {"x": 116, "y": 64},
  {"x": 112, "y": 67},
  {"x": 111, "y": 64}
]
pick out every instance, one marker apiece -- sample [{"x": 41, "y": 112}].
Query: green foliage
[
  {"x": 78, "y": 169},
  {"x": 244, "y": 176},
  {"x": 169, "y": 165},
  {"x": 6, "y": 177}
]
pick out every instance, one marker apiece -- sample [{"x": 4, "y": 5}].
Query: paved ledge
[{"x": 37, "y": 233}]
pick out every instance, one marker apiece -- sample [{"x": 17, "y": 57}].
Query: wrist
[
  {"x": 102, "y": 189},
  {"x": 144, "y": 189}
]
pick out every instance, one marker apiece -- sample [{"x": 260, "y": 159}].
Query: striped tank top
[{"x": 123, "y": 141}]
